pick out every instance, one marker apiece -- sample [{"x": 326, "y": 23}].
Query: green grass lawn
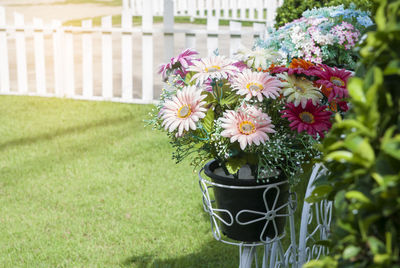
[{"x": 85, "y": 184}]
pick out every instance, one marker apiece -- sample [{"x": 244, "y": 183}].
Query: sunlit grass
[{"x": 84, "y": 184}]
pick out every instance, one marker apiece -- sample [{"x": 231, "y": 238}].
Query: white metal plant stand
[{"x": 315, "y": 226}]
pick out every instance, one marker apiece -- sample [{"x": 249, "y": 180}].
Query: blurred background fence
[{"x": 117, "y": 62}]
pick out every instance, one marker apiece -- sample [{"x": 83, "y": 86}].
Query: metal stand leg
[
  {"x": 247, "y": 254},
  {"x": 267, "y": 252}
]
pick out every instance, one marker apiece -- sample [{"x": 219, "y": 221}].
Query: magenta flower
[
  {"x": 240, "y": 65},
  {"x": 333, "y": 78},
  {"x": 313, "y": 119},
  {"x": 183, "y": 60}
]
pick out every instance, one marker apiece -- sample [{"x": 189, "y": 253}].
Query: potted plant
[{"x": 248, "y": 122}]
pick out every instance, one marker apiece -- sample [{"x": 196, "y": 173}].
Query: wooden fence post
[
  {"x": 271, "y": 12},
  {"x": 234, "y": 5},
  {"x": 20, "y": 44},
  {"x": 235, "y": 40},
  {"x": 4, "y": 65},
  {"x": 209, "y": 8},
  {"x": 126, "y": 55},
  {"x": 252, "y": 8},
  {"x": 58, "y": 58},
  {"x": 168, "y": 30},
  {"x": 147, "y": 51},
  {"x": 40, "y": 67},
  {"x": 87, "y": 60},
  {"x": 260, "y": 10},
  {"x": 242, "y": 6},
  {"x": 69, "y": 62},
  {"x": 107, "y": 70},
  {"x": 202, "y": 5},
  {"x": 212, "y": 35},
  {"x": 259, "y": 30}
]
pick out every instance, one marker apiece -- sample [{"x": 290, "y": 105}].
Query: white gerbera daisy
[
  {"x": 247, "y": 125},
  {"x": 259, "y": 57},
  {"x": 299, "y": 90},
  {"x": 214, "y": 67},
  {"x": 255, "y": 84},
  {"x": 183, "y": 110}
]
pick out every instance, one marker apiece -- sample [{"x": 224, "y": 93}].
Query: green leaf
[
  {"x": 350, "y": 252},
  {"x": 378, "y": 178},
  {"x": 358, "y": 196},
  {"x": 319, "y": 193},
  {"x": 188, "y": 77},
  {"x": 391, "y": 145},
  {"x": 380, "y": 17},
  {"x": 208, "y": 121},
  {"x": 324, "y": 262},
  {"x": 229, "y": 99},
  {"x": 381, "y": 258},
  {"x": 340, "y": 156},
  {"x": 234, "y": 164},
  {"x": 392, "y": 68},
  {"x": 351, "y": 123},
  {"x": 376, "y": 245},
  {"x": 365, "y": 151},
  {"x": 355, "y": 88},
  {"x": 366, "y": 222},
  {"x": 210, "y": 97}
]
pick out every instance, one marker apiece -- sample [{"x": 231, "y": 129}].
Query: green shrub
[
  {"x": 362, "y": 153},
  {"x": 292, "y": 9}
]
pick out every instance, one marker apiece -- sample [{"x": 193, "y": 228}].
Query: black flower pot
[{"x": 258, "y": 211}]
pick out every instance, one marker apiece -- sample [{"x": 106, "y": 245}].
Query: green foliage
[
  {"x": 362, "y": 153},
  {"x": 292, "y": 9}
]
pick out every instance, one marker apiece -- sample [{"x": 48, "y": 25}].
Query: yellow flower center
[
  {"x": 184, "y": 111},
  {"x": 254, "y": 87},
  {"x": 214, "y": 68},
  {"x": 337, "y": 81},
  {"x": 247, "y": 127},
  {"x": 307, "y": 117}
]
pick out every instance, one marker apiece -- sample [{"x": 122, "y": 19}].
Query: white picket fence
[
  {"x": 243, "y": 10},
  {"x": 99, "y": 63}
]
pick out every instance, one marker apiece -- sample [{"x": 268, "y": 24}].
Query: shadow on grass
[
  {"x": 212, "y": 254},
  {"x": 65, "y": 131}
]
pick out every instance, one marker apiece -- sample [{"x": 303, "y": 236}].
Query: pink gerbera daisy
[
  {"x": 214, "y": 67},
  {"x": 183, "y": 110},
  {"x": 254, "y": 84},
  {"x": 184, "y": 60},
  {"x": 247, "y": 125},
  {"x": 313, "y": 119},
  {"x": 333, "y": 78}
]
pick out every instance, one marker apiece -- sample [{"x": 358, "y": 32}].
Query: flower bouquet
[
  {"x": 255, "y": 118},
  {"x": 322, "y": 35},
  {"x": 256, "y": 121}
]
